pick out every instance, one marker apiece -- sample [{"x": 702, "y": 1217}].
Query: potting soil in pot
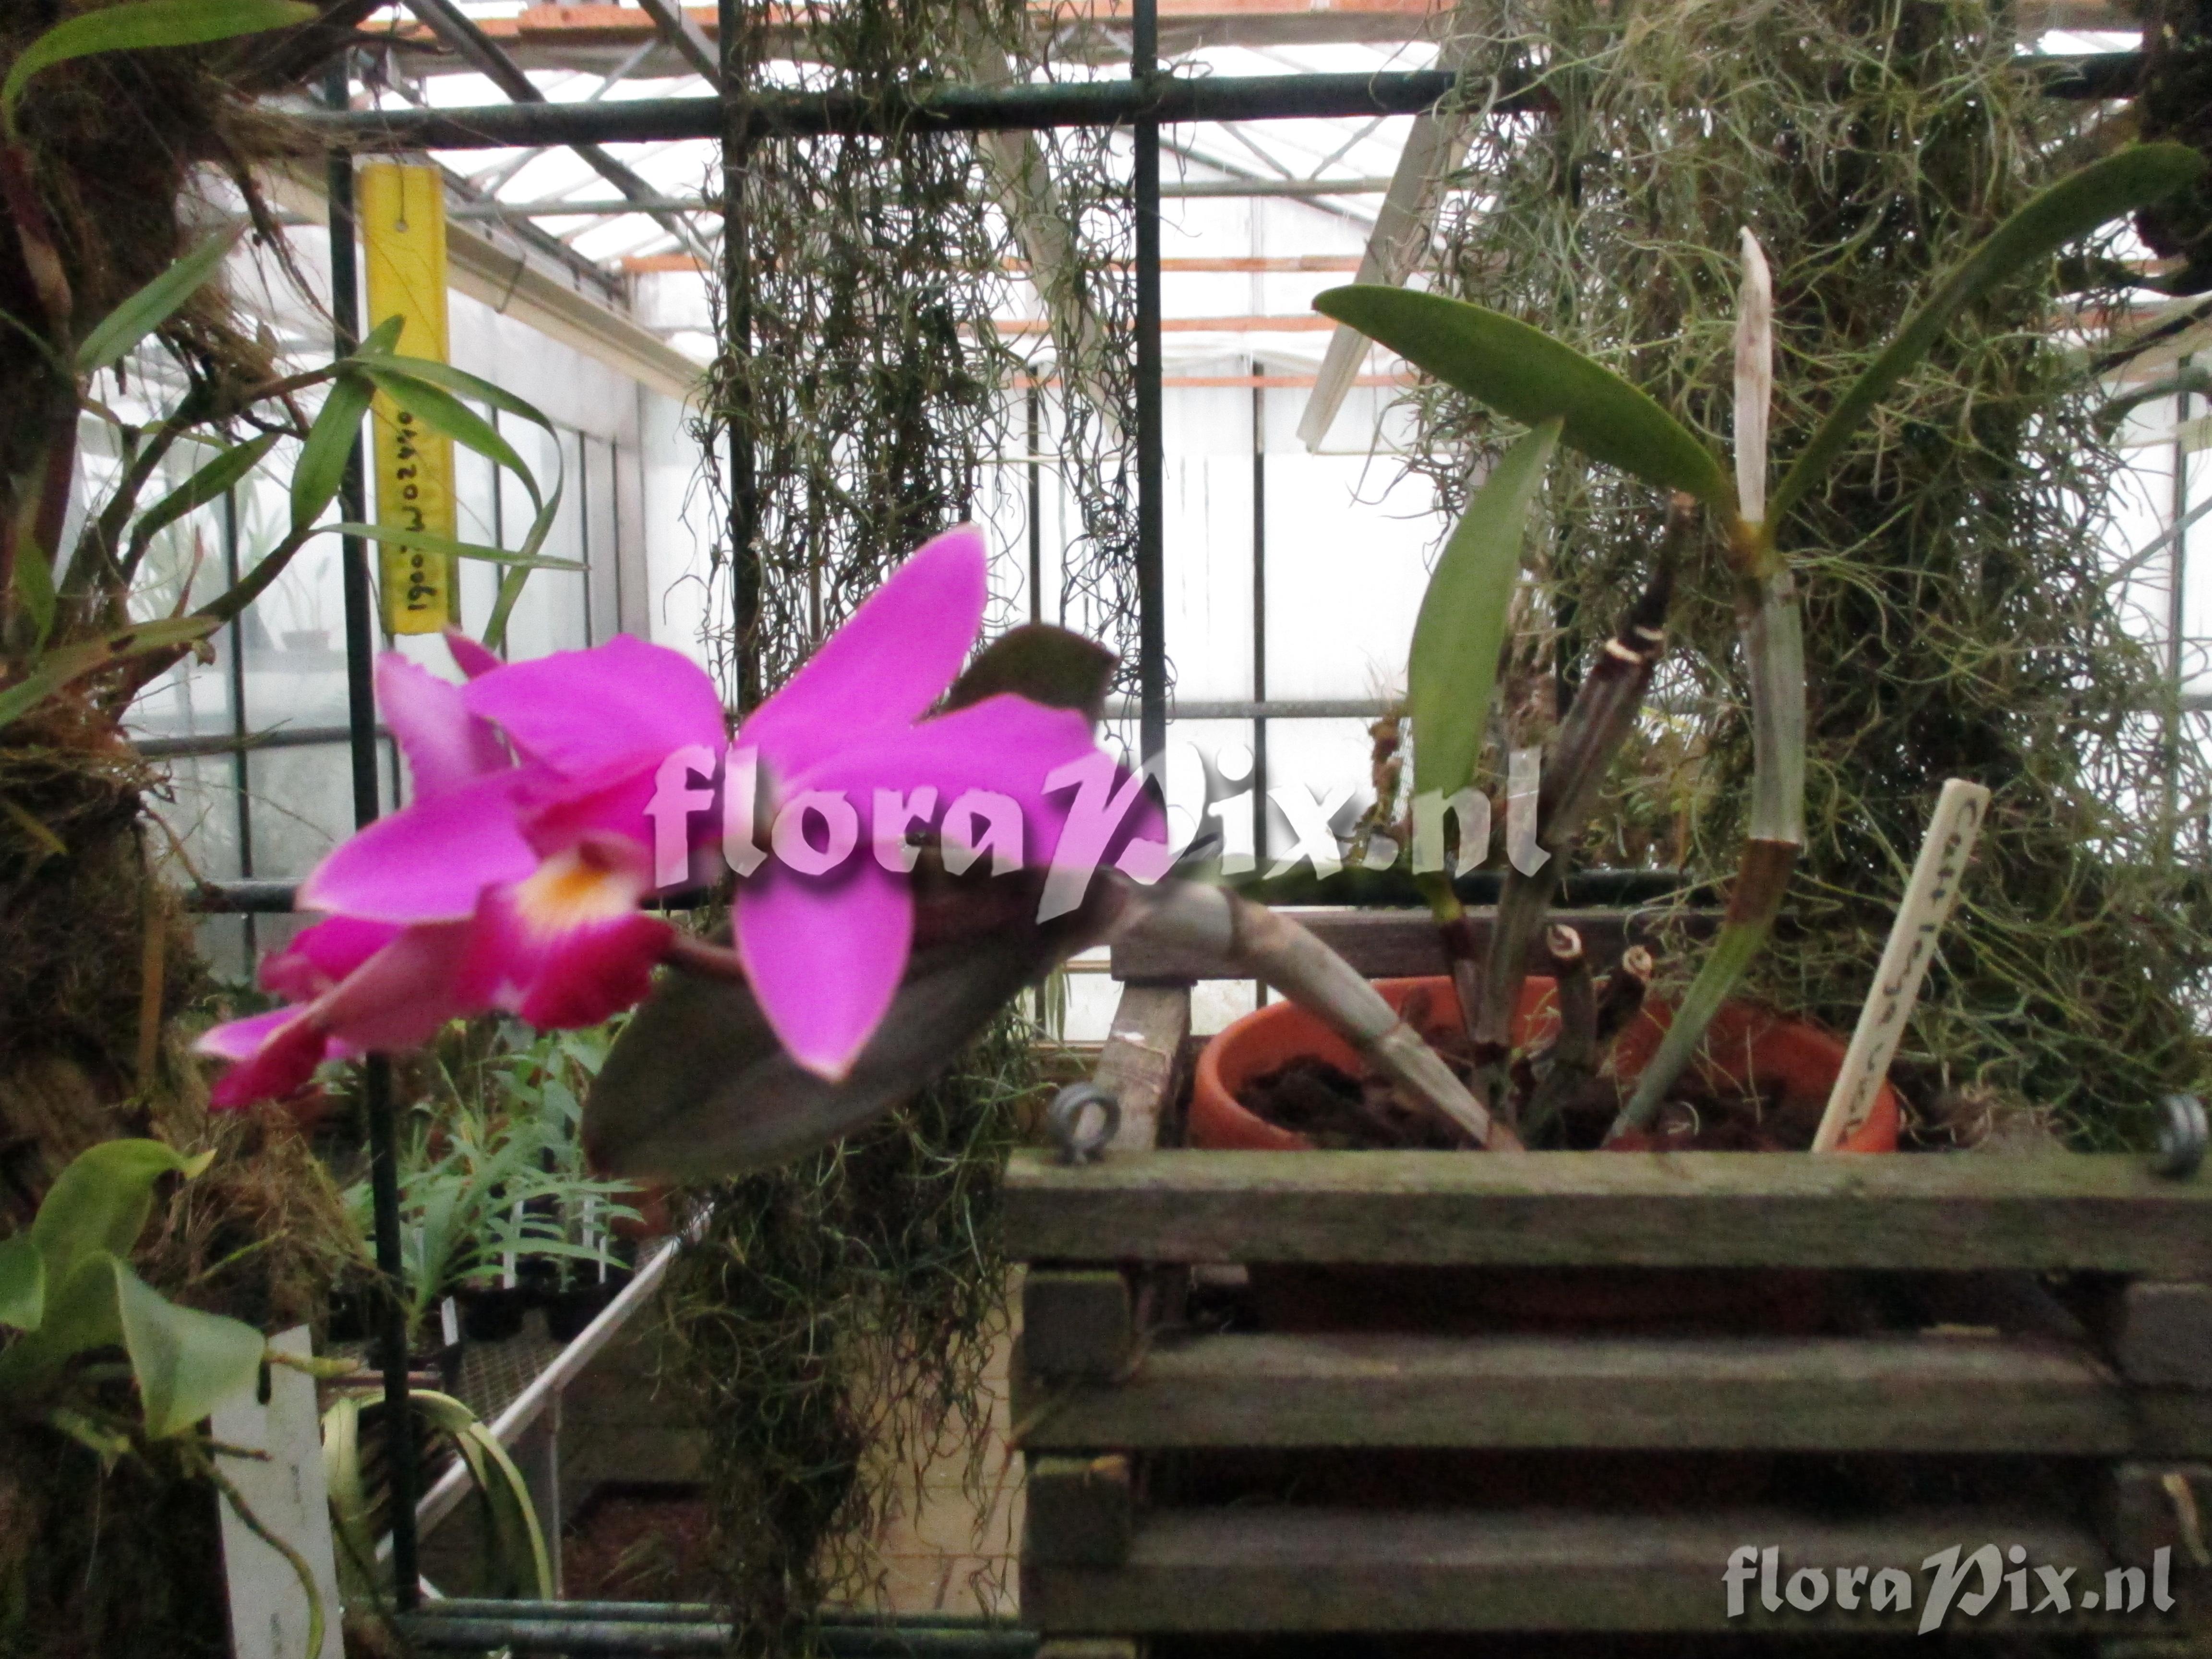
[{"x": 1338, "y": 1111}]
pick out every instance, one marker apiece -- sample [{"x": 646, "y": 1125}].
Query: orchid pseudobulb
[{"x": 543, "y": 809}]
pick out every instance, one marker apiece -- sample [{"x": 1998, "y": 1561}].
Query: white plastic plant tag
[
  {"x": 269, "y": 1617},
  {"x": 1928, "y": 896}
]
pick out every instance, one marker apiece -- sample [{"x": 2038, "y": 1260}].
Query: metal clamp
[
  {"x": 1078, "y": 1135},
  {"x": 2182, "y": 1139}
]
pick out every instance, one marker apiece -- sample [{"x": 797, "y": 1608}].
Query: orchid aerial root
[{"x": 1271, "y": 946}]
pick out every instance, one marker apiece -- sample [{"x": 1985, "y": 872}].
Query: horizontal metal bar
[
  {"x": 621, "y": 1613},
  {"x": 1169, "y": 99},
  {"x": 947, "y": 109},
  {"x": 592, "y": 209},
  {"x": 1295, "y": 187},
  {"x": 438, "y": 1633},
  {"x": 250, "y": 898},
  {"x": 229, "y": 743},
  {"x": 436, "y": 1630},
  {"x": 1273, "y": 708},
  {"x": 609, "y": 207},
  {"x": 1593, "y": 887},
  {"x": 681, "y": 1612},
  {"x": 1396, "y": 888},
  {"x": 277, "y": 898}
]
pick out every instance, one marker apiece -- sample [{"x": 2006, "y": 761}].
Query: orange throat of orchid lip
[{"x": 585, "y": 884}]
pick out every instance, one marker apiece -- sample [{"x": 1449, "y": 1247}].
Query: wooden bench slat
[
  {"x": 1893, "y": 1392},
  {"x": 1312, "y": 1570},
  {"x": 2063, "y": 1211}
]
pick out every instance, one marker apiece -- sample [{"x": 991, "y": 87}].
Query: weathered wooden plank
[
  {"x": 1901, "y": 1392},
  {"x": 2143, "y": 1507},
  {"x": 1079, "y": 1512},
  {"x": 1316, "y": 1570},
  {"x": 1079, "y": 1322},
  {"x": 1141, "y": 1061},
  {"x": 2156, "y": 1332},
  {"x": 2104, "y": 1212},
  {"x": 1387, "y": 943}
]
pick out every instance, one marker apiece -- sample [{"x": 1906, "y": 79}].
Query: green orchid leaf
[
  {"x": 417, "y": 382},
  {"x": 320, "y": 473},
  {"x": 115, "y": 335},
  {"x": 2072, "y": 208},
  {"x": 374, "y": 355},
  {"x": 34, "y": 588},
  {"x": 59, "y": 669},
  {"x": 519, "y": 1550},
  {"x": 137, "y": 26},
  {"x": 1527, "y": 375},
  {"x": 321, "y": 469},
  {"x": 511, "y": 585},
  {"x": 355, "y": 1538},
  {"x": 1452, "y": 668},
  {"x": 448, "y": 415},
  {"x": 101, "y": 1200},
  {"x": 187, "y": 1362},
  {"x": 422, "y": 382},
  {"x": 80, "y": 1315},
  {"x": 23, "y": 1283},
  {"x": 110, "y": 1444},
  {"x": 211, "y": 483},
  {"x": 526, "y": 1567},
  {"x": 382, "y": 339},
  {"x": 434, "y": 542}
]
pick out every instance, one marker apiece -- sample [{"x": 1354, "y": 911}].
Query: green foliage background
[{"x": 1959, "y": 620}]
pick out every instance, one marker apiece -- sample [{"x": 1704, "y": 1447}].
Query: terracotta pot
[{"x": 1745, "y": 1044}]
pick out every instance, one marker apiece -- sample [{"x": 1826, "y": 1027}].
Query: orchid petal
[
  {"x": 282, "y": 1063},
  {"x": 580, "y": 712},
  {"x": 473, "y": 659},
  {"x": 404, "y": 994},
  {"x": 825, "y": 957},
  {"x": 596, "y": 971},
  {"x": 568, "y": 947},
  {"x": 241, "y": 1039},
  {"x": 557, "y": 812},
  {"x": 1006, "y": 744},
  {"x": 429, "y": 862},
  {"x": 444, "y": 744},
  {"x": 318, "y": 957},
  {"x": 886, "y": 667}
]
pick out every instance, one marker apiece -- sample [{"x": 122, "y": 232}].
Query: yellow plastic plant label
[{"x": 402, "y": 209}]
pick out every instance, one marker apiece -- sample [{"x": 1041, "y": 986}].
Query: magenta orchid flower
[
  {"x": 825, "y": 957},
  {"x": 513, "y": 877},
  {"x": 501, "y": 885}
]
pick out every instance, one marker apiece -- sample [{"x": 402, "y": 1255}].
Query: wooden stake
[
  {"x": 152, "y": 971},
  {"x": 1928, "y": 898}
]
